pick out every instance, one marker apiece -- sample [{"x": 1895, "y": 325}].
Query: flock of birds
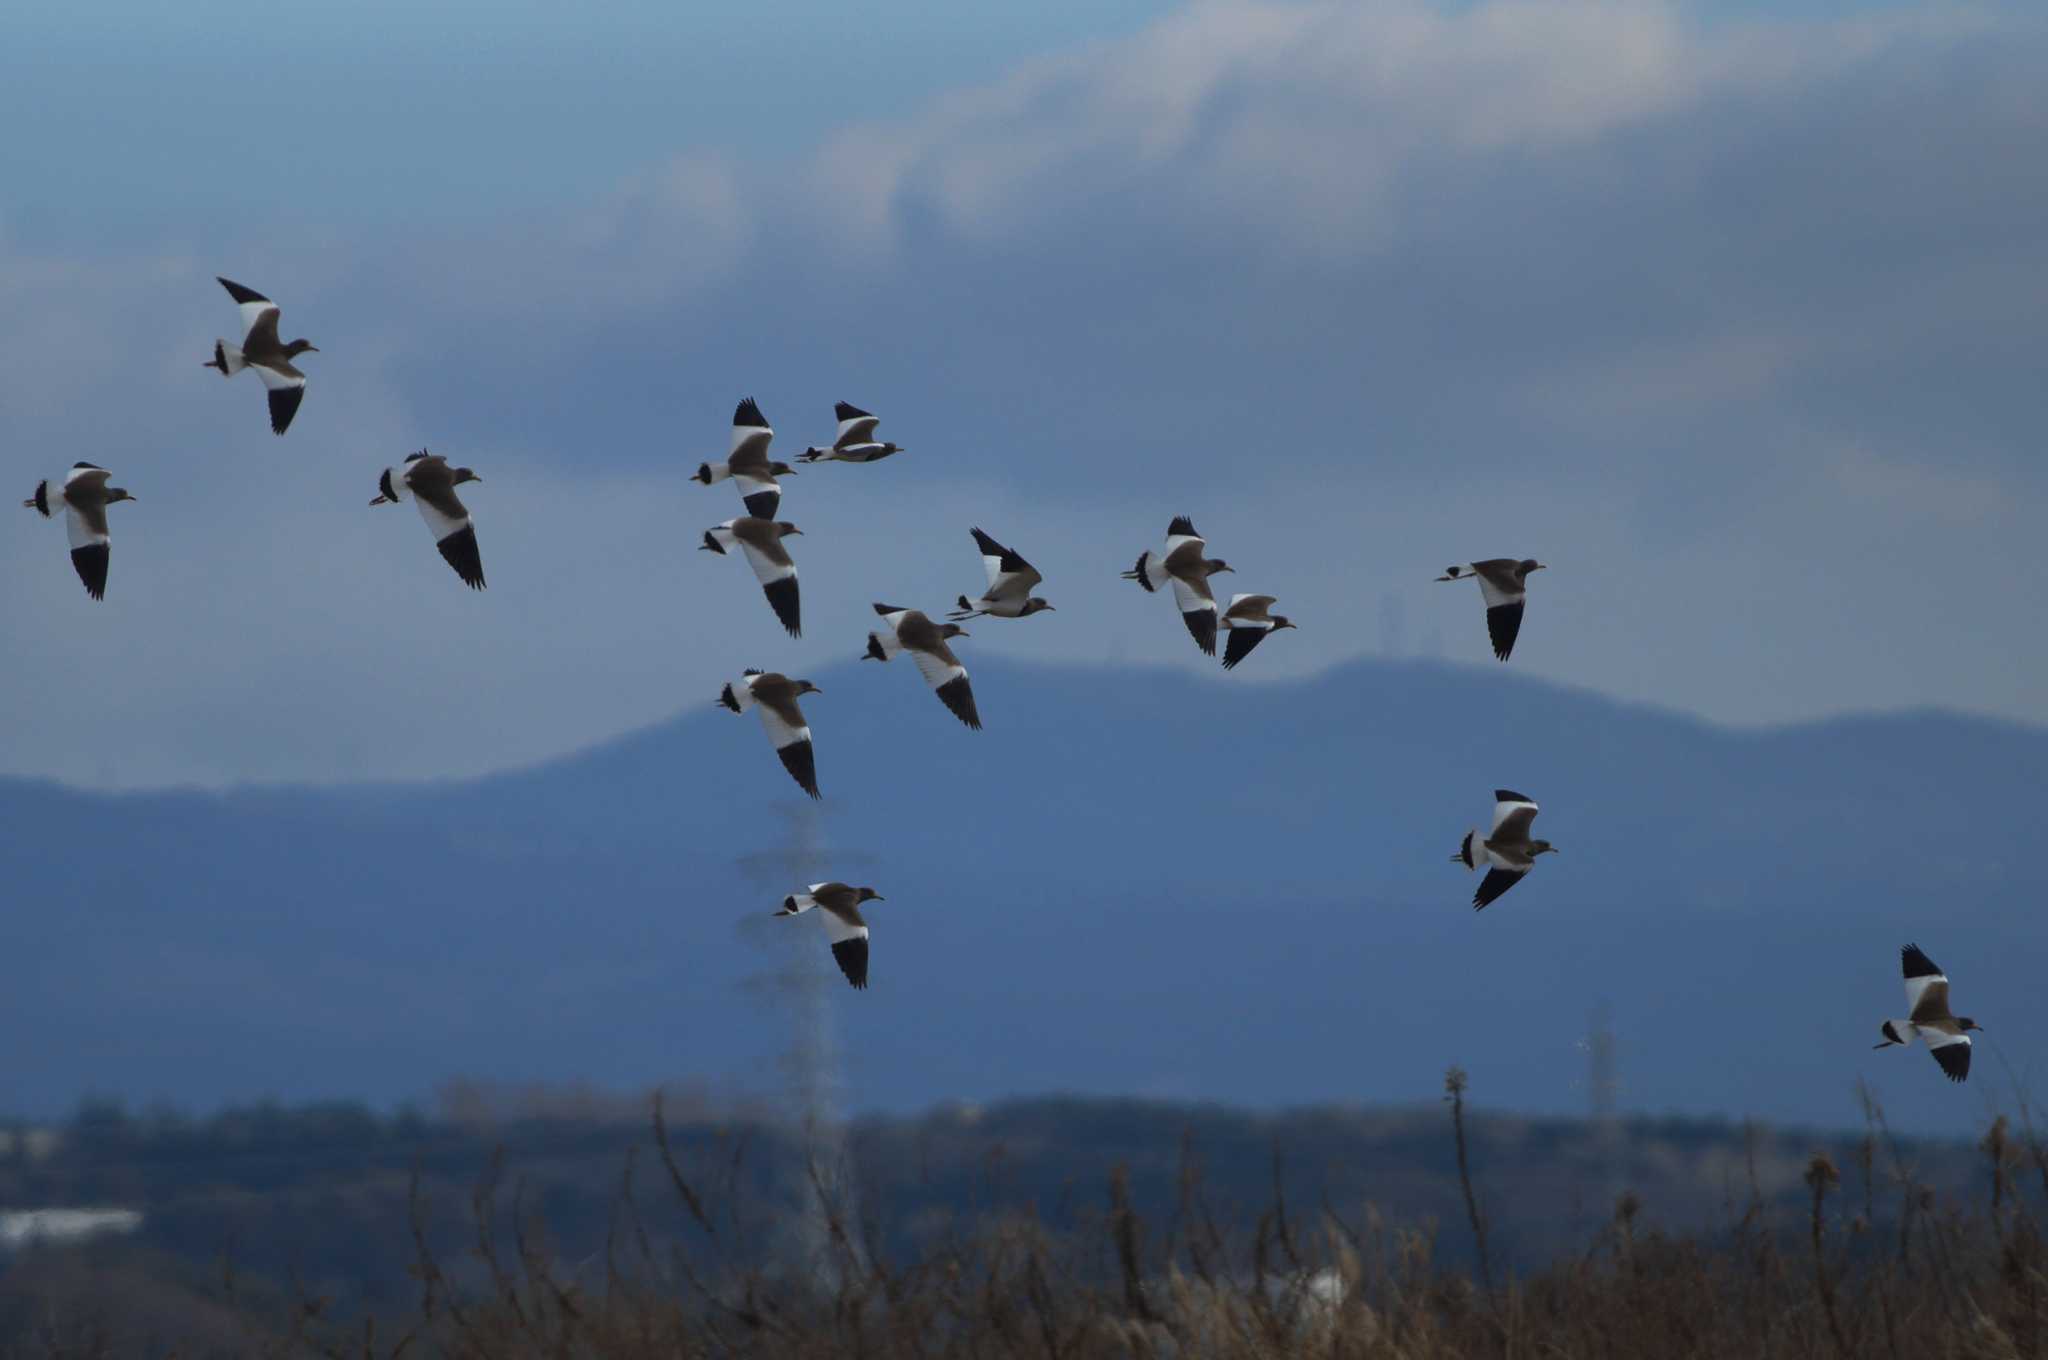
[{"x": 1507, "y": 852}]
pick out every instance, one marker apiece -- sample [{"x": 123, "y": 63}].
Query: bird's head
[
  {"x": 1541, "y": 848},
  {"x": 1034, "y": 605},
  {"x": 1282, "y": 621},
  {"x": 888, "y": 449},
  {"x": 806, "y": 687},
  {"x": 781, "y": 470},
  {"x": 783, "y": 529},
  {"x": 118, "y": 493},
  {"x": 1216, "y": 566},
  {"x": 953, "y": 630},
  {"x": 462, "y": 475},
  {"x": 1527, "y": 565},
  {"x": 298, "y": 347},
  {"x": 869, "y": 895},
  {"x": 1967, "y": 1023}
]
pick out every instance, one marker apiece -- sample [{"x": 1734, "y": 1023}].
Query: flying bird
[
  {"x": 1928, "y": 1016},
  {"x": 1503, "y": 584},
  {"x": 1182, "y": 563},
  {"x": 844, "y": 928},
  {"x": 748, "y": 465},
  {"x": 908, "y": 630},
  {"x": 856, "y": 441},
  {"x": 261, "y": 350},
  {"x": 1010, "y": 579},
  {"x": 427, "y": 478},
  {"x": 1508, "y": 852},
  {"x": 776, "y": 695},
  {"x": 761, "y": 541},
  {"x": 1249, "y": 625},
  {"x": 84, "y": 497}
]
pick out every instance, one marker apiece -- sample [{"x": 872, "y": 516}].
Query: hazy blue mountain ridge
[{"x": 1133, "y": 882}]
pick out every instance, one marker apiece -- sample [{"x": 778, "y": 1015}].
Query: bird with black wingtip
[
  {"x": 856, "y": 442},
  {"x": 760, "y": 540},
  {"x": 83, "y": 496},
  {"x": 1010, "y": 581},
  {"x": 748, "y": 464},
  {"x": 262, "y": 351},
  {"x": 776, "y": 696},
  {"x": 1503, "y": 585},
  {"x": 1928, "y": 1018},
  {"x": 912, "y": 631},
  {"x": 1507, "y": 852},
  {"x": 1249, "y": 620},
  {"x": 838, "y": 906},
  {"x": 1183, "y": 565},
  {"x": 427, "y": 479}
]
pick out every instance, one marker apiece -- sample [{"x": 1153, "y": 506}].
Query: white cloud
[{"x": 1291, "y": 115}]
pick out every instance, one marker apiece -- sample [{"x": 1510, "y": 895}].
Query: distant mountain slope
[{"x": 1133, "y": 882}]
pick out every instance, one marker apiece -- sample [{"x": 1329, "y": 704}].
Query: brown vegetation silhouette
[{"x": 1892, "y": 1272}]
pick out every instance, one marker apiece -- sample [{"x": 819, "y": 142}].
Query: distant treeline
[{"x": 511, "y": 1222}]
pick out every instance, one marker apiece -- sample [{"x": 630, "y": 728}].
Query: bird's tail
[
  {"x": 1453, "y": 574},
  {"x": 41, "y": 500},
  {"x": 708, "y": 473},
  {"x": 812, "y": 454},
  {"x": 1139, "y": 574},
  {"x": 1896, "y": 1032},
  {"x": 1467, "y": 851},
  {"x": 391, "y": 487},
  {"x": 965, "y": 611},
  {"x": 227, "y": 358},
  {"x": 791, "y": 907},
  {"x": 877, "y": 649},
  {"x": 729, "y": 699}
]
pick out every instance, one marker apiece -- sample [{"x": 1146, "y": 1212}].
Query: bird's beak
[
  {"x": 878, "y": 898},
  {"x": 380, "y": 500},
  {"x": 963, "y": 633},
  {"x": 312, "y": 349},
  {"x": 797, "y": 532}
]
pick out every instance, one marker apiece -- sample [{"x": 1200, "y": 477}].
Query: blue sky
[
  {"x": 320, "y": 118},
  {"x": 1734, "y": 316}
]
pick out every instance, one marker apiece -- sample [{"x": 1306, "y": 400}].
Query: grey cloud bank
[{"x": 1736, "y": 326}]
